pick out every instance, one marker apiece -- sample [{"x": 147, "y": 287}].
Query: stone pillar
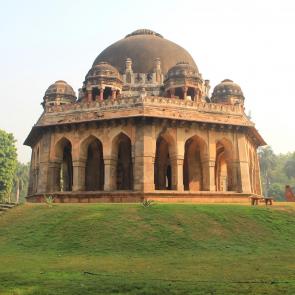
[
  {"x": 31, "y": 179},
  {"x": 184, "y": 89},
  {"x": 109, "y": 173},
  {"x": 79, "y": 175},
  {"x": 177, "y": 172},
  {"x": 42, "y": 171},
  {"x": 89, "y": 94},
  {"x": 208, "y": 167},
  {"x": 172, "y": 92},
  {"x": 140, "y": 151},
  {"x": 101, "y": 90},
  {"x": 235, "y": 178},
  {"x": 149, "y": 173},
  {"x": 258, "y": 178},
  {"x": 208, "y": 162},
  {"x": 114, "y": 94},
  {"x": 54, "y": 176},
  {"x": 245, "y": 186}
]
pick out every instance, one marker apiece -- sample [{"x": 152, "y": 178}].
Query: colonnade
[{"x": 202, "y": 166}]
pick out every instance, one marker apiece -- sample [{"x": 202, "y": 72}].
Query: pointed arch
[
  {"x": 164, "y": 167},
  {"x": 91, "y": 150},
  {"x": 63, "y": 154},
  {"x": 122, "y": 155},
  {"x": 194, "y": 152},
  {"x": 223, "y": 165}
]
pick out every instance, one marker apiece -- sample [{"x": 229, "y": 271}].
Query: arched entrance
[
  {"x": 192, "y": 166},
  {"x": 64, "y": 155},
  {"x": 223, "y": 167},
  {"x": 163, "y": 167},
  {"x": 123, "y": 160},
  {"x": 94, "y": 170}
]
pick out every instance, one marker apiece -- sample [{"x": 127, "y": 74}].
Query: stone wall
[{"x": 226, "y": 157}]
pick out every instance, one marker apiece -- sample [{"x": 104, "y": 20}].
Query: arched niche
[
  {"x": 223, "y": 166},
  {"x": 91, "y": 150},
  {"x": 63, "y": 153},
  {"x": 193, "y": 174},
  {"x": 121, "y": 153},
  {"x": 164, "y": 166}
]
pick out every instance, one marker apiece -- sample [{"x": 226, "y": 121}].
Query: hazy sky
[{"x": 250, "y": 42}]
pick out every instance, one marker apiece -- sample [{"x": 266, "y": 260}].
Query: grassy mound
[{"x": 162, "y": 249}]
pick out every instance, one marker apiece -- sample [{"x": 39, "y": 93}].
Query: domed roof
[
  {"x": 183, "y": 69},
  {"x": 103, "y": 69},
  {"x": 60, "y": 87},
  {"x": 225, "y": 88},
  {"x": 59, "y": 91},
  {"x": 101, "y": 73},
  {"x": 143, "y": 47}
]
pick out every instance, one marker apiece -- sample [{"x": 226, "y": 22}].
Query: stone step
[{"x": 9, "y": 206}]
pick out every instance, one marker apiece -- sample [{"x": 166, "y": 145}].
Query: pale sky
[{"x": 250, "y": 42}]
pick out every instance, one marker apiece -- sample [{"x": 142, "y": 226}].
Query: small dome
[
  {"x": 102, "y": 69},
  {"x": 102, "y": 73},
  {"x": 60, "y": 90},
  {"x": 183, "y": 69},
  {"x": 225, "y": 90},
  {"x": 60, "y": 87}
]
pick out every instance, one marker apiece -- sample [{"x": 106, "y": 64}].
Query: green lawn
[{"x": 163, "y": 249}]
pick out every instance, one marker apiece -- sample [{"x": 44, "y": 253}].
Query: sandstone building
[{"x": 144, "y": 126}]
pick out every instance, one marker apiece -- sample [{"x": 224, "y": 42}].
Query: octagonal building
[{"x": 144, "y": 126}]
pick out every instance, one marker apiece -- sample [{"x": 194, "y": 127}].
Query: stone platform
[{"x": 136, "y": 197}]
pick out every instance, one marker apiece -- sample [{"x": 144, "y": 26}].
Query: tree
[
  {"x": 21, "y": 181},
  {"x": 267, "y": 160},
  {"x": 8, "y": 162},
  {"x": 289, "y": 167}
]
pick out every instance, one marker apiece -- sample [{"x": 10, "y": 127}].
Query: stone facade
[{"x": 133, "y": 135}]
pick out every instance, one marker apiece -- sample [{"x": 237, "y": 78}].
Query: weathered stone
[{"x": 154, "y": 134}]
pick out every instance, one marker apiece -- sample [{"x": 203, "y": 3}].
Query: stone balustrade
[{"x": 129, "y": 102}]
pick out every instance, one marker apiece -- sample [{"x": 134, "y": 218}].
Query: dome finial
[{"x": 144, "y": 32}]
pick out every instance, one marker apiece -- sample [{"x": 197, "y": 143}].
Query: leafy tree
[
  {"x": 289, "y": 167},
  {"x": 8, "y": 162},
  {"x": 276, "y": 190},
  {"x": 268, "y": 162},
  {"x": 21, "y": 182}
]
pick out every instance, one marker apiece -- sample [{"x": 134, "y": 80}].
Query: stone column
[
  {"x": 101, "y": 90},
  {"x": 184, "y": 89},
  {"x": 208, "y": 167},
  {"x": 245, "y": 186},
  {"x": 235, "y": 168},
  {"x": 42, "y": 171},
  {"x": 114, "y": 93},
  {"x": 89, "y": 94},
  {"x": 54, "y": 176},
  {"x": 258, "y": 178},
  {"x": 79, "y": 175},
  {"x": 140, "y": 176},
  {"x": 208, "y": 162},
  {"x": 109, "y": 173},
  {"x": 177, "y": 172},
  {"x": 172, "y": 92}
]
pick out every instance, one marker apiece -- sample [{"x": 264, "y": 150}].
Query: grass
[{"x": 162, "y": 249}]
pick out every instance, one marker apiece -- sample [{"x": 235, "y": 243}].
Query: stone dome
[
  {"x": 183, "y": 69},
  {"x": 227, "y": 88},
  {"x": 143, "y": 47},
  {"x": 102, "y": 69},
  {"x": 60, "y": 90}
]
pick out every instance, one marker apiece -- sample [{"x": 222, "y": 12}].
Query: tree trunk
[{"x": 17, "y": 192}]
